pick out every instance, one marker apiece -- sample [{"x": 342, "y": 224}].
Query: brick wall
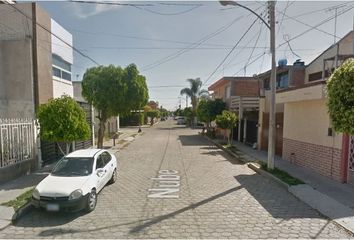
[
  {"x": 246, "y": 88},
  {"x": 298, "y": 77},
  {"x": 323, "y": 160}
]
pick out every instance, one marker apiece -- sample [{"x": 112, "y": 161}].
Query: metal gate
[
  {"x": 351, "y": 160},
  {"x": 16, "y": 141}
]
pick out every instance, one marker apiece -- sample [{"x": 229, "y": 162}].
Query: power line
[
  {"x": 179, "y": 48},
  {"x": 192, "y": 46},
  {"x": 110, "y": 3},
  {"x": 282, "y": 18},
  {"x": 308, "y": 25},
  {"x": 168, "y": 14},
  {"x": 286, "y": 38},
  {"x": 317, "y": 25},
  {"x": 44, "y": 28},
  {"x": 139, "y": 6},
  {"x": 254, "y": 47},
  {"x": 145, "y": 38},
  {"x": 254, "y": 60},
  {"x": 315, "y": 11},
  {"x": 249, "y": 28}
]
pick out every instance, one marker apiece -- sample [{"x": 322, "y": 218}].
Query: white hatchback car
[{"x": 75, "y": 181}]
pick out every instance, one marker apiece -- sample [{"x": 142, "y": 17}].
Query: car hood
[{"x": 59, "y": 186}]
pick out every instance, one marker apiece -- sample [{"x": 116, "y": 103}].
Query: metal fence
[{"x": 17, "y": 140}]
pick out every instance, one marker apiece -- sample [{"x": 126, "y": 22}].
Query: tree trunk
[
  {"x": 232, "y": 135},
  {"x": 228, "y": 136},
  {"x": 67, "y": 148},
  {"x": 101, "y": 130}
]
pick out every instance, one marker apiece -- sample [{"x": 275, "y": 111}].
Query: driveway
[{"x": 174, "y": 184}]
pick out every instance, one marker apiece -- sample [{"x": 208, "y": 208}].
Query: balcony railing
[{"x": 246, "y": 103}]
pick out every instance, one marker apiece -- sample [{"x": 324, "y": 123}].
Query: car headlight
[
  {"x": 35, "y": 194},
  {"x": 75, "y": 194}
]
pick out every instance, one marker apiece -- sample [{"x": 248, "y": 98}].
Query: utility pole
[
  {"x": 272, "y": 109},
  {"x": 272, "y": 105},
  {"x": 186, "y": 101}
]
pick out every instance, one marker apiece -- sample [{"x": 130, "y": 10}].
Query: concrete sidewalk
[
  {"x": 330, "y": 198},
  {"x": 12, "y": 189},
  {"x": 343, "y": 193}
]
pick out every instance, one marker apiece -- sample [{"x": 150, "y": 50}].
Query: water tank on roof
[
  {"x": 282, "y": 62},
  {"x": 299, "y": 62}
]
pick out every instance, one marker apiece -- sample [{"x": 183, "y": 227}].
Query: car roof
[{"x": 85, "y": 153}]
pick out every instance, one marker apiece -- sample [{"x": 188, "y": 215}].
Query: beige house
[
  {"x": 308, "y": 137},
  {"x": 288, "y": 76}
]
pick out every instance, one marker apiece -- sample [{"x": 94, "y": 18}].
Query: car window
[
  {"x": 71, "y": 167},
  {"x": 106, "y": 157},
  {"x": 100, "y": 162}
]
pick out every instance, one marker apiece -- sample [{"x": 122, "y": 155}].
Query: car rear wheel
[
  {"x": 91, "y": 201},
  {"x": 114, "y": 177}
]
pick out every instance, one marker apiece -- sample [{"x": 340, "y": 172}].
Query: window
[
  {"x": 62, "y": 74},
  {"x": 283, "y": 80},
  {"x": 100, "y": 162},
  {"x": 66, "y": 76},
  {"x": 106, "y": 157},
  {"x": 266, "y": 84},
  {"x": 56, "y": 72},
  {"x": 61, "y": 63},
  {"x": 61, "y": 68},
  {"x": 318, "y": 75}
]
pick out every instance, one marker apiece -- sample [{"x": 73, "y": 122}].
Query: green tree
[
  {"x": 340, "y": 90},
  {"x": 207, "y": 110},
  {"x": 63, "y": 120},
  {"x": 194, "y": 92},
  {"x": 178, "y": 112},
  {"x": 113, "y": 91},
  {"x": 153, "y": 114},
  {"x": 227, "y": 120},
  {"x": 188, "y": 113}
]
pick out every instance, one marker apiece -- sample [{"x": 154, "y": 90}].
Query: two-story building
[
  {"x": 241, "y": 95},
  {"x": 36, "y": 56},
  {"x": 308, "y": 137},
  {"x": 288, "y": 76}
]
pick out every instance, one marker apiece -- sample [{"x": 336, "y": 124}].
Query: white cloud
[{"x": 85, "y": 11}]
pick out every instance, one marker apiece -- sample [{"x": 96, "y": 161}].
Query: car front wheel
[{"x": 91, "y": 201}]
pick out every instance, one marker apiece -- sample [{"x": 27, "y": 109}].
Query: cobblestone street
[{"x": 217, "y": 198}]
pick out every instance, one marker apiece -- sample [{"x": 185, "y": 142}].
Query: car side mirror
[{"x": 99, "y": 172}]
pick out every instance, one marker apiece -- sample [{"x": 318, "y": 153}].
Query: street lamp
[{"x": 272, "y": 105}]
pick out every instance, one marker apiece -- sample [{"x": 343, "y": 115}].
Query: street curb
[
  {"x": 239, "y": 158},
  {"x": 268, "y": 175},
  {"x": 22, "y": 211},
  {"x": 343, "y": 222}
]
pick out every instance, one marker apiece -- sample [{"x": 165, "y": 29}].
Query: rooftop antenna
[{"x": 335, "y": 8}]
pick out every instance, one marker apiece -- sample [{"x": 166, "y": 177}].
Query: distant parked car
[
  {"x": 75, "y": 181},
  {"x": 181, "y": 120}
]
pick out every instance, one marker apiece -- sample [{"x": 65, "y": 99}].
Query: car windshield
[{"x": 73, "y": 167}]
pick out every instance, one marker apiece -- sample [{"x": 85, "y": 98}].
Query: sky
[{"x": 173, "y": 41}]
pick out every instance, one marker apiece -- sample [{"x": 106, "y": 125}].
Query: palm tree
[{"x": 194, "y": 92}]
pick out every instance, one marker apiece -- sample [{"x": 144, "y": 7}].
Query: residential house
[
  {"x": 308, "y": 137},
  {"x": 35, "y": 65},
  {"x": 288, "y": 76},
  {"x": 241, "y": 95},
  {"x": 154, "y": 105}
]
